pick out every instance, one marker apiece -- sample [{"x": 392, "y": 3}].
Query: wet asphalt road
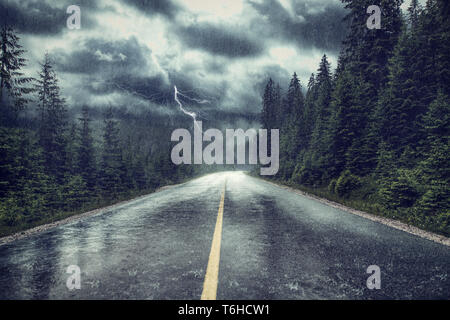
[{"x": 275, "y": 245}]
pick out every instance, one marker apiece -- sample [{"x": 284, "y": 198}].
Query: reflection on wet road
[{"x": 275, "y": 245}]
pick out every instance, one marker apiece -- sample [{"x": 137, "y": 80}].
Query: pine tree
[
  {"x": 112, "y": 161},
  {"x": 278, "y": 116},
  {"x": 139, "y": 175},
  {"x": 86, "y": 152},
  {"x": 268, "y": 109},
  {"x": 293, "y": 104},
  {"x": 291, "y": 136},
  {"x": 310, "y": 108},
  {"x": 128, "y": 164},
  {"x": 52, "y": 122},
  {"x": 320, "y": 137},
  {"x": 345, "y": 125},
  {"x": 12, "y": 80},
  {"x": 72, "y": 146},
  {"x": 435, "y": 168}
]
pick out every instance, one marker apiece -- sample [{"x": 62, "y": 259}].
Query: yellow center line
[{"x": 212, "y": 271}]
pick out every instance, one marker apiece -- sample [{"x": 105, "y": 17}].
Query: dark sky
[{"x": 132, "y": 52}]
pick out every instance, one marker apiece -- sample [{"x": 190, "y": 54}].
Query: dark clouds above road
[
  {"x": 33, "y": 17},
  {"x": 41, "y": 17},
  {"x": 152, "y": 7},
  {"x": 133, "y": 52},
  {"x": 92, "y": 55},
  {"x": 220, "y": 40},
  {"x": 309, "y": 24}
]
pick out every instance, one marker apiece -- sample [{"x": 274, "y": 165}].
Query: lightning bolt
[
  {"x": 193, "y": 115},
  {"x": 177, "y": 95},
  {"x": 203, "y": 101}
]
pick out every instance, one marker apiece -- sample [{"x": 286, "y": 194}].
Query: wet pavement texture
[{"x": 276, "y": 244}]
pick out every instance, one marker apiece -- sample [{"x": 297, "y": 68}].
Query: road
[{"x": 271, "y": 244}]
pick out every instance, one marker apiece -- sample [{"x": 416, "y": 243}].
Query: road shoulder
[
  {"x": 386, "y": 221},
  {"x": 44, "y": 227}
]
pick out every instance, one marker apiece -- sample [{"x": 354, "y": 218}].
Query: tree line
[{"x": 374, "y": 133}]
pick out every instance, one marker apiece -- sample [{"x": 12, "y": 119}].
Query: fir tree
[
  {"x": 291, "y": 128},
  {"x": 12, "y": 80},
  {"x": 86, "y": 153},
  {"x": 320, "y": 136},
  {"x": 268, "y": 109},
  {"x": 112, "y": 161},
  {"x": 52, "y": 121}
]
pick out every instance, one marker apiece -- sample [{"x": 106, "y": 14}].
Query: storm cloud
[
  {"x": 151, "y": 7},
  {"x": 133, "y": 52},
  {"x": 95, "y": 55},
  {"x": 309, "y": 24},
  {"x": 42, "y": 18},
  {"x": 220, "y": 39}
]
